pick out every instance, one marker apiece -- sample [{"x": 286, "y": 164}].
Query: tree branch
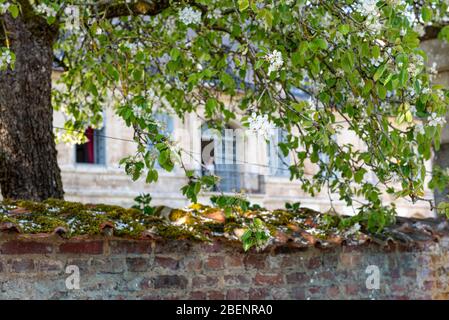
[{"x": 110, "y": 10}]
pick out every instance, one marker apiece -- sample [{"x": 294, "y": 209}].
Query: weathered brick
[
  {"x": 279, "y": 293},
  {"x": 215, "y": 295},
  {"x": 350, "y": 260},
  {"x": 81, "y": 247},
  {"x": 256, "y": 261},
  {"x": 130, "y": 247},
  {"x": 268, "y": 279},
  {"x": 214, "y": 247},
  {"x": 314, "y": 289},
  {"x": 204, "y": 281},
  {"x": 214, "y": 263},
  {"x": 166, "y": 262},
  {"x": 194, "y": 265},
  {"x": 327, "y": 275},
  {"x": 352, "y": 289},
  {"x": 313, "y": 263},
  {"x": 169, "y": 281},
  {"x": 333, "y": 292},
  {"x": 290, "y": 261},
  {"x": 236, "y": 294},
  {"x": 137, "y": 264},
  {"x": 173, "y": 246},
  {"x": 26, "y": 247},
  {"x": 22, "y": 265},
  {"x": 259, "y": 293},
  {"x": 297, "y": 278},
  {"x": 84, "y": 265},
  {"x": 234, "y": 261},
  {"x": 109, "y": 265},
  {"x": 237, "y": 280},
  {"x": 198, "y": 295},
  {"x": 51, "y": 265},
  {"x": 298, "y": 293}
]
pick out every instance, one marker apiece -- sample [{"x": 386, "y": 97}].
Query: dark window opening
[{"x": 93, "y": 151}]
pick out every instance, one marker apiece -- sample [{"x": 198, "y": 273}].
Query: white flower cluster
[
  {"x": 4, "y": 7},
  {"x": 46, "y": 10},
  {"x": 132, "y": 47},
  {"x": 355, "y": 101},
  {"x": 216, "y": 14},
  {"x": 138, "y": 111},
  {"x": 434, "y": 120},
  {"x": 415, "y": 65},
  {"x": 419, "y": 128},
  {"x": 369, "y": 9},
  {"x": 275, "y": 60},
  {"x": 261, "y": 125},
  {"x": 190, "y": 16},
  {"x": 5, "y": 59},
  {"x": 433, "y": 71}
]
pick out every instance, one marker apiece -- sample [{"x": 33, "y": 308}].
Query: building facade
[
  {"x": 245, "y": 162},
  {"x": 91, "y": 172}
]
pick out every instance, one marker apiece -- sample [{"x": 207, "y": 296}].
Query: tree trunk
[{"x": 28, "y": 156}]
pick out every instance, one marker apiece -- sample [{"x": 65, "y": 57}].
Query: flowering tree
[{"x": 359, "y": 62}]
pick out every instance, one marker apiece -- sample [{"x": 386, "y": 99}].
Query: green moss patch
[{"x": 196, "y": 222}]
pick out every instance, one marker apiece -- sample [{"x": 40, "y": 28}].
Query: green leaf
[
  {"x": 344, "y": 29},
  {"x": 426, "y": 14},
  {"x": 211, "y": 106},
  {"x": 359, "y": 174},
  {"x": 227, "y": 80},
  {"x": 14, "y": 10},
  {"x": 243, "y": 5},
  {"x": 112, "y": 72},
  {"x": 379, "y": 72},
  {"x": 320, "y": 43}
]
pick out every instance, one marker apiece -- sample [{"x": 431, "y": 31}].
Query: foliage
[
  {"x": 257, "y": 235},
  {"x": 143, "y": 203},
  {"x": 358, "y": 62},
  {"x": 232, "y": 203}
]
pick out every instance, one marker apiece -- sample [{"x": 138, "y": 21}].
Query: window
[
  {"x": 218, "y": 157},
  {"x": 94, "y": 150},
  {"x": 277, "y": 162}
]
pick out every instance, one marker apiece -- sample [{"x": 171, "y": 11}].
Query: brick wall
[{"x": 112, "y": 268}]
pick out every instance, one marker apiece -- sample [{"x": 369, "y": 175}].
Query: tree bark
[{"x": 28, "y": 156}]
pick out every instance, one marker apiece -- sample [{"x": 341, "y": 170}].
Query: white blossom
[
  {"x": 426, "y": 90},
  {"x": 415, "y": 65},
  {"x": 46, "y": 10},
  {"x": 419, "y": 128},
  {"x": 216, "y": 14},
  {"x": 4, "y": 7},
  {"x": 373, "y": 24},
  {"x": 6, "y": 59},
  {"x": 190, "y": 16},
  {"x": 275, "y": 60},
  {"x": 376, "y": 61},
  {"x": 369, "y": 9},
  {"x": 355, "y": 101},
  {"x": 435, "y": 120},
  {"x": 261, "y": 125}
]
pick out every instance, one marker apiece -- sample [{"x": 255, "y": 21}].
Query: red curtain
[{"x": 90, "y": 145}]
